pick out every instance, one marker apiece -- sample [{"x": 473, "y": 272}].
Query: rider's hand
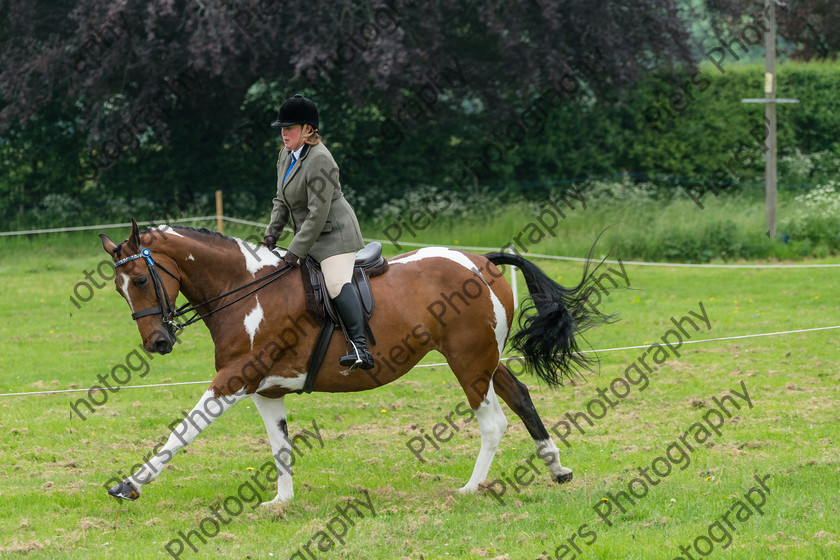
[
  {"x": 291, "y": 259},
  {"x": 270, "y": 241}
]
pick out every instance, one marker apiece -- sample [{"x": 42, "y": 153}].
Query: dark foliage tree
[
  {"x": 809, "y": 27},
  {"x": 112, "y": 58},
  {"x": 177, "y": 94}
]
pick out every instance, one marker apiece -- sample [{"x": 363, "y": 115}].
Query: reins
[{"x": 169, "y": 313}]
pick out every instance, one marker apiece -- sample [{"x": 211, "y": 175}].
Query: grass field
[{"x": 55, "y": 505}]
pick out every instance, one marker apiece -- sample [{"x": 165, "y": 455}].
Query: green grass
[{"x": 55, "y": 506}]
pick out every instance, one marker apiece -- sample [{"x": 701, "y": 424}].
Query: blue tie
[{"x": 289, "y": 170}]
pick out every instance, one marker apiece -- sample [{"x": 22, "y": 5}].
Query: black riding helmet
[{"x": 297, "y": 110}]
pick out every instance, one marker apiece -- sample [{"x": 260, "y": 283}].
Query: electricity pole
[
  {"x": 770, "y": 115},
  {"x": 770, "y": 102}
]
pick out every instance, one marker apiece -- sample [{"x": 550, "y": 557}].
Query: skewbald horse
[{"x": 455, "y": 302}]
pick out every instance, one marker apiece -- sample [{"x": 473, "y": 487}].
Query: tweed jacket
[{"x": 323, "y": 222}]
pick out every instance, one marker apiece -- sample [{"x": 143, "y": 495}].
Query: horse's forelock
[{"x": 118, "y": 250}]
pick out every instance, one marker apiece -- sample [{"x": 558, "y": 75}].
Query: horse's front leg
[
  {"x": 273, "y": 412},
  {"x": 208, "y": 409}
]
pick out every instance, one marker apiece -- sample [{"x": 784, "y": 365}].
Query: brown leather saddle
[{"x": 369, "y": 263}]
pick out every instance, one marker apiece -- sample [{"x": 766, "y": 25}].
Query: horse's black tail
[{"x": 547, "y": 339}]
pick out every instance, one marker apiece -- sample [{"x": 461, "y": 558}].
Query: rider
[{"x": 324, "y": 223}]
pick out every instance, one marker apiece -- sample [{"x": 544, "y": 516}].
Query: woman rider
[{"x": 324, "y": 224}]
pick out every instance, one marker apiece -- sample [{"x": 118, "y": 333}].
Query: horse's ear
[
  {"x": 107, "y": 244},
  {"x": 134, "y": 238}
]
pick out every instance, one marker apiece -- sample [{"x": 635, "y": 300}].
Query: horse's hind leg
[
  {"x": 491, "y": 420},
  {"x": 492, "y": 423},
  {"x": 516, "y": 395}
]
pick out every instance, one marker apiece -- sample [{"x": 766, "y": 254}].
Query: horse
[{"x": 434, "y": 298}]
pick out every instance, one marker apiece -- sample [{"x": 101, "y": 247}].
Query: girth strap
[{"x": 319, "y": 351}]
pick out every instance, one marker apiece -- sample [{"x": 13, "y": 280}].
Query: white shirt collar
[{"x": 297, "y": 152}]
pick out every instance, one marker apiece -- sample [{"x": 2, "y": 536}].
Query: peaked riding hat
[{"x": 297, "y": 110}]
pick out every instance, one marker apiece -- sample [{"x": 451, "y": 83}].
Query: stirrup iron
[{"x": 344, "y": 361}]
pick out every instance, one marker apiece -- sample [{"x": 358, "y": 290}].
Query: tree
[
  {"x": 810, "y": 28},
  {"x": 179, "y": 93},
  {"x": 132, "y": 62}
]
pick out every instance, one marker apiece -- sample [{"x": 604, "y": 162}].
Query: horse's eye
[{"x": 141, "y": 281}]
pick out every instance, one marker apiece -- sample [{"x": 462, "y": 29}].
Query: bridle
[{"x": 165, "y": 307}]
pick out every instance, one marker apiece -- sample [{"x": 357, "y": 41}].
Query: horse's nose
[{"x": 162, "y": 346}]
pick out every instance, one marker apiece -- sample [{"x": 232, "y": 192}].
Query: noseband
[{"x": 169, "y": 313}]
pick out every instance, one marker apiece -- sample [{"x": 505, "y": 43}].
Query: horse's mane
[
  {"x": 203, "y": 231},
  {"x": 187, "y": 229}
]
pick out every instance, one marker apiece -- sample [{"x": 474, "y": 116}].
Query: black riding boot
[{"x": 349, "y": 307}]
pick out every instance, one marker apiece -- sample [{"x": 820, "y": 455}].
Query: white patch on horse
[
  {"x": 492, "y": 423},
  {"x": 501, "y": 326},
  {"x": 167, "y": 229},
  {"x": 125, "y": 281},
  {"x": 500, "y": 329},
  {"x": 253, "y": 320},
  {"x": 291, "y": 383},
  {"x": 257, "y": 257},
  {"x": 190, "y": 257},
  {"x": 551, "y": 455},
  {"x": 442, "y": 252}
]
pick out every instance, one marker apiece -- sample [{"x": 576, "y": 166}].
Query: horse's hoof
[
  {"x": 276, "y": 501},
  {"x": 563, "y": 477},
  {"x": 125, "y": 491}
]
